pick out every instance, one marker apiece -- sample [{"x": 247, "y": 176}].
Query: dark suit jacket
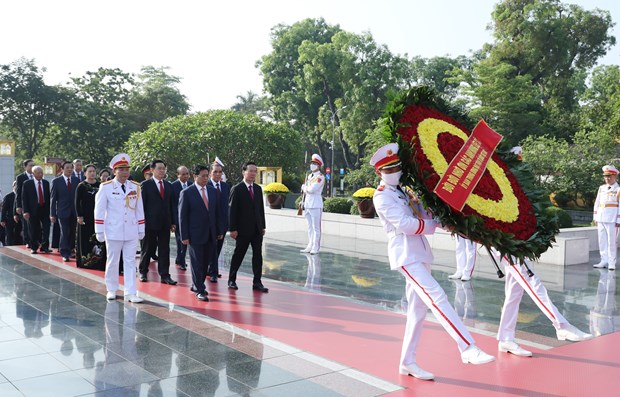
[
  {"x": 8, "y": 209},
  {"x": 63, "y": 200},
  {"x": 247, "y": 217},
  {"x": 197, "y": 224},
  {"x": 223, "y": 199},
  {"x": 21, "y": 178},
  {"x": 158, "y": 213},
  {"x": 177, "y": 187},
  {"x": 82, "y": 177},
  {"x": 30, "y": 200}
]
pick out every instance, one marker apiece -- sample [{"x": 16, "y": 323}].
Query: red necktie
[
  {"x": 204, "y": 197},
  {"x": 251, "y": 192},
  {"x": 161, "y": 189},
  {"x": 41, "y": 200},
  {"x": 218, "y": 189},
  {"x": 69, "y": 184}
]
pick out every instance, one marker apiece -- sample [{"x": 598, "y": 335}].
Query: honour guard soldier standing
[
  {"x": 406, "y": 222},
  {"x": 606, "y": 217},
  {"x": 119, "y": 221},
  {"x": 313, "y": 204}
]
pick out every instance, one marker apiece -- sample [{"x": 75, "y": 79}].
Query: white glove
[
  {"x": 100, "y": 237},
  {"x": 140, "y": 236},
  {"x": 303, "y": 188}
]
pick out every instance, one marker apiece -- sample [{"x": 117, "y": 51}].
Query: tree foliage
[{"x": 233, "y": 136}]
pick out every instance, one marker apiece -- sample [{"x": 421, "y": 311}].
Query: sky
[{"x": 213, "y": 46}]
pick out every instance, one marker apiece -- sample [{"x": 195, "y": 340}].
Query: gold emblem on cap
[{"x": 390, "y": 152}]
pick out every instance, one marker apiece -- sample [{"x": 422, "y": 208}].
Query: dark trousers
[
  {"x": 181, "y": 248},
  {"x": 11, "y": 233},
  {"x": 200, "y": 254},
  {"x": 67, "y": 236},
  {"x": 25, "y": 230},
  {"x": 156, "y": 240},
  {"x": 39, "y": 227},
  {"x": 243, "y": 242},
  {"x": 214, "y": 263},
  {"x": 56, "y": 235}
]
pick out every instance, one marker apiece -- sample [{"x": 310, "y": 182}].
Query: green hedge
[
  {"x": 564, "y": 220},
  {"x": 337, "y": 205}
]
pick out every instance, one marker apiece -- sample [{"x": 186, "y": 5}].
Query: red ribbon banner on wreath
[{"x": 466, "y": 168}]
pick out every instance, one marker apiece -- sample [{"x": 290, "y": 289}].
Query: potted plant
[
  {"x": 276, "y": 194},
  {"x": 363, "y": 197}
]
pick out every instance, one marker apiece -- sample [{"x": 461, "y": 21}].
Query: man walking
[
  {"x": 223, "y": 193},
  {"x": 119, "y": 221},
  {"x": 36, "y": 209},
  {"x": 179, "y": 185},
  {"x": 160, "y": 216},
  {"x": 247, "y": 226},
  {"x": 21, "y": 178},
  {"x": 63, "y": 208},
  {"x": 198, "y": 221}
]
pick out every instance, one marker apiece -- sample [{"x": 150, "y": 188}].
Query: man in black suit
[
  {"x": 63, "y": 208},
  {"x": 223, "y": 193},
  {"x": 179, "y": 185},
  {"x": 78, "y": 170},
  {"x": 160, "y": 216},
  {"x": 199, "y": 223},
  {"x": 9, "y": 219},
  {"x": 21, "y": 178},
  {"x": 247, "y": 226},
  {"x": 36, "y": 209}
]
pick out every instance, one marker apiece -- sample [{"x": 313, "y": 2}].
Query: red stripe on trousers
[
  {"x": 437, "y": 308},
  {"x": 530, "y": 288}
]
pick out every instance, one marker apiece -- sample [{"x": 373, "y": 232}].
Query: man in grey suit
[{"x": 63, "y": 208}]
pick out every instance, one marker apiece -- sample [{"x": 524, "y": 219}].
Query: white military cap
[
  {"x": 121, "y": 160},
  {"x": 317, "y": 159},
  {"x": 386, "y": 157},
  {"x": 217, "y": 160},
  {"x": 610, "y": 170}
]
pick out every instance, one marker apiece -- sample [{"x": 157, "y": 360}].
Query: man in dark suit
[
  {"x": 247, "y": 226},
  {"x": 223, "y": 193},
  {"x": 78, "y": 170},
  {"x": 200, "y": 229},
  {"x": 21, "y": 178},
  {"x": 160, "y": 216},
  {"x": 179, "y": 185},
  {"x": 63, "y": 208},
  {"x": 9, "y": 219},
  {"x": 36, "y": 209}
]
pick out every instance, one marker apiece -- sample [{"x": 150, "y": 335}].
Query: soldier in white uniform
[
  {"x": 465, "y": 259},
  {"x": 313, "y": 204},
  {"x": 119, "y": 221},
  {"x": 606, "y": 217},
  {"x": 518, "y": 281},
  {"x": 406, "y": 223}
]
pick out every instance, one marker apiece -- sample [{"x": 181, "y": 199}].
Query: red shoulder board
[{"x": 380, "y": 188}]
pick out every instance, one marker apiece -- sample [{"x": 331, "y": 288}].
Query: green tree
[
  {"x": 234, "y": 137},
  {"x": 155, "y": 97},
  {"x": 253, "y": 103},
  {"x": 601, "y": 101},
  {"x": 28, "y": 107}
]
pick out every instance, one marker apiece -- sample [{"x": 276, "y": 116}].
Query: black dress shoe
[
  {"x": 232, "y": 285},
  {"x": 260, "y": 287},
  {"x": 33, "y": 252},
  {"x": 213, "y": 279},
  {"x": 143, "y": 278},
  {"x": 154, "y": 257},
  {"x": 202, "y": 297},
  {"x": 219, "y": 276},
  {"x": 183, "y": 267},
  {"x": 46, "y": 251},
  {"x": 193, "y": 289},
  {"x": 65, "y": 259},
  {"x": 168, "y": 281}
]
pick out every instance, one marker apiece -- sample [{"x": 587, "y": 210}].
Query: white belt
[{"x": 394, "y": 233}]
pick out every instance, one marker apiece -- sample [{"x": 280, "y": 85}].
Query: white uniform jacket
[
  {"x": 313, "y": 189},
  {"x": 118, "y": 214},
  {"x": 606, "y": 204},
  {"x": 407, "y": 244}
]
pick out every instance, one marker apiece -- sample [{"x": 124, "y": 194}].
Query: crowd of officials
[{"x": 99, "y": 218}]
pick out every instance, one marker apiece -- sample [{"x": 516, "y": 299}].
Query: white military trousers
[
  {"x": 313, "y": 217},
  {"x": 465, "y": 256},
  {"x": 608, "y": 242},
  {"x": 518, "y": 281},
  {"x": 114, "y": 249},
  {"x": 423, "y": 293}
]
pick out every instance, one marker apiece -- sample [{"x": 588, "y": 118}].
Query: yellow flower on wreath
[{"x": 506, "y": 209}]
